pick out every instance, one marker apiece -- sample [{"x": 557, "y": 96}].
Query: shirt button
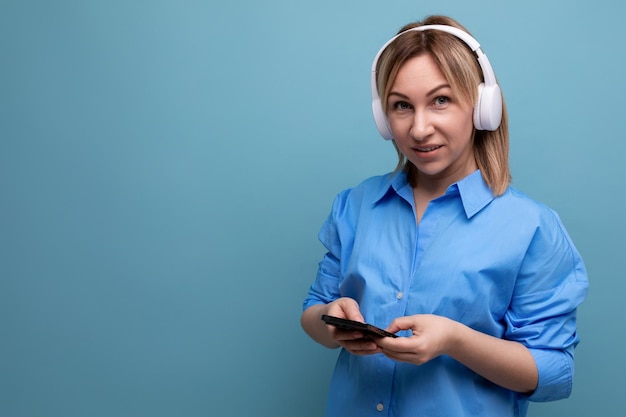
[
  {"x": 399, "y": 295},
  {"x": 380, "y": 407}
]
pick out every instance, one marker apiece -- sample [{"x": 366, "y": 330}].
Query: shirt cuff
[{"x": 556, "y": 374}]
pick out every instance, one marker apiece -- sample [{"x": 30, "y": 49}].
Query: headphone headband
[{"x": 488, "y": 109}]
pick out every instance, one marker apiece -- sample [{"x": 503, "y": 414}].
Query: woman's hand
[
  {"x": 503, "y": 362},
  {"x": 431, "y": 336},
  {"x": 354, "y": 342}
]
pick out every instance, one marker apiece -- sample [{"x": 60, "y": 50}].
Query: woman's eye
[
  {"x": 402, "y": 105},
  {"x": 441, "y": 101}
]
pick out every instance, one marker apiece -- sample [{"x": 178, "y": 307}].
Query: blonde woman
[{"x": 480, "y": 282}]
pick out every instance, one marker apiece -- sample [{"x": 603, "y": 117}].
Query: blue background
[{"x": 165, "y": 167}]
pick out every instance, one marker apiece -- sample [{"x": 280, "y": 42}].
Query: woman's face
[{"x": 431, "y": 126}]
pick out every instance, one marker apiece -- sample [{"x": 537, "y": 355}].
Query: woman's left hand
[
  {"x": 431, "y": 336},
  {"x": 504, "y": 362}
]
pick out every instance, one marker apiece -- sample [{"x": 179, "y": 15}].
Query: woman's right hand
[{"x": 354, "y": 342}]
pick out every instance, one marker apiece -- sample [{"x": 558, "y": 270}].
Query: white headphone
[{"x": 488, "y": 109}]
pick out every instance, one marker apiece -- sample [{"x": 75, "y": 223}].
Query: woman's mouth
[{"x": 428, "y": 149}]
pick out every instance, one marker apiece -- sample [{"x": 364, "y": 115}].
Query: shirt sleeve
[
  {"x": 325, "y": 288},
  {"x": 551, "y": 284}
]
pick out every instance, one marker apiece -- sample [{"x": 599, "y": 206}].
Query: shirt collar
[
  {"x": 474, "y": 192},
  {"x": 394, "y": 182}
]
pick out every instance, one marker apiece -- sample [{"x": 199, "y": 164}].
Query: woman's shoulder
[
  {"x": 366, "y": 192},
  {"x": 521, "y": 206},
  {"x": 517, "y": 197},
  {"x": 373, "y": 186}
]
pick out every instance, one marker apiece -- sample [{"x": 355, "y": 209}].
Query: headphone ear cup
[
  {"x": 488, "y": 110},
  {"x": 381, "y": 119}
]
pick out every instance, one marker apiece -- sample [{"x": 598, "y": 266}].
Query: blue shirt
[{"x": 503, "y": 265}]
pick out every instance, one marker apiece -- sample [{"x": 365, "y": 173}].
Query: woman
[{"x": 481, "y": 281}]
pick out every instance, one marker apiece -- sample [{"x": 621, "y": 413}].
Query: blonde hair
[{"x": 460, "y": 67}]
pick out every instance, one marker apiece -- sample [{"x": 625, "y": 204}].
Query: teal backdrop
[{"x": 165, "y": 167}]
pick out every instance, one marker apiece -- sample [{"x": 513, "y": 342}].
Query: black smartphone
[{"x": 346, "y": 324}]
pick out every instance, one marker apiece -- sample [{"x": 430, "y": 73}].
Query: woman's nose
[{"x": 421, "y": 126}]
